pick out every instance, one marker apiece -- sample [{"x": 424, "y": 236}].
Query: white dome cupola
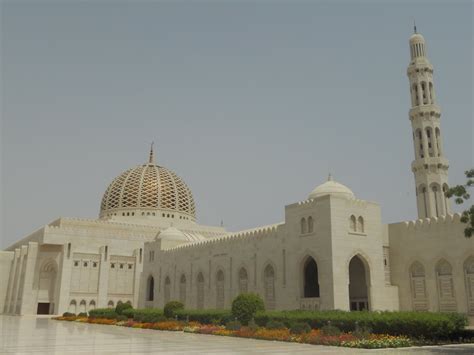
[{"x": 332, "y": 188}]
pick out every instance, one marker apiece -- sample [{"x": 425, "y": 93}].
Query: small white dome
[
  {"x": 417, "y": 38},
  {"x": 174, "y": 234},
  {"x": 331, "y": 187}
]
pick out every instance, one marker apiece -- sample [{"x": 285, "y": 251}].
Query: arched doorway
[
  {"x": 243, "y": 280},
  {"x": 150, "y": 289},
  {"x": 220, "y": 289},
  {"x": 269, "y": 284},
  {"x": 200, "y": 291},
  {"x": 47, "y": 287},
  {"x": 182, "y": 289},
  {"x": 358, "y": 284},
  {"x": 167, "y": 290},
  {"x": 310, "y": 278}
]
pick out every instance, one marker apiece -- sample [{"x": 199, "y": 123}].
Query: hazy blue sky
[{"x": 251, "y": 103}]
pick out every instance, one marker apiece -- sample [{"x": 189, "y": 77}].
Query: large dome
[
  {"x": 148, "y": 190},
  {"x": 331, "y": 187}
]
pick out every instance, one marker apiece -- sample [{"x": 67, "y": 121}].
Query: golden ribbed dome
[{"x": 147, "y": 188}]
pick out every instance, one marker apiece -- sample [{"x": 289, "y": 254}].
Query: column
[
  {"x": 104, "y": 268},
  {"x": 11, "y": 282},
  {"x": 28, "y": 300}
]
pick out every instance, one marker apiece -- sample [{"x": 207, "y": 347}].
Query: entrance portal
[
  {"x": 358, "y": 290},
  {"x": 43, "y": 308}
]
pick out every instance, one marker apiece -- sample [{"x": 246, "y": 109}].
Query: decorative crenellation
[
  {"x": 431, "y": 222},
  {"x": 258, "y": 234}
]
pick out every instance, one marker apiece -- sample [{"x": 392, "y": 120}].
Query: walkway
[{"x": 40, "y": 335}]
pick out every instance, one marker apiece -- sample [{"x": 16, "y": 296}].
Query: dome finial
[
  {"x": 151, "y": 159},
  {"x": 414, "y": 26}
]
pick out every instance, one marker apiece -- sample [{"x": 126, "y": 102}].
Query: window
[
  {"x": 121, "y": 266},
  {"x": 303, "y": 226},
  {"x": 85, "y": 264},
  {"x": 243, "y": 281},
  {"x": 310, "y": 224},
  {"x": 94, "y": 264},
  {"x": 130, "y": 266},
  {"x": 269, "y": 286},
  {"x": 352, "y": 223},
  {"x": 112, "y": 265},
  {"x": 360, "y": 224},
  {"x": 150, "y": 289},
  {"x": 76, "y": 263}
]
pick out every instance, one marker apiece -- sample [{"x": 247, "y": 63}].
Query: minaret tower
[{"x": 430, "y": 167}]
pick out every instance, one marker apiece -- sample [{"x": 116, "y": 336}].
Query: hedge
[
  {"x": 205, "y": 316},
  {"x": 147, "y": 315},
  {"x": 108, "y": 313},
  {"x": 426, "y": 325}
]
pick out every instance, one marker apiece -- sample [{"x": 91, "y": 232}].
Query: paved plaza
[{"x": 42, "y": 335}]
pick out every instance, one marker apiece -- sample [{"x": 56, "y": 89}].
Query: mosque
[{"x": 332, "y": 250}]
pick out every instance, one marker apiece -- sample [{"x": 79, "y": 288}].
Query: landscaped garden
[{"x": 248, "y": 319}]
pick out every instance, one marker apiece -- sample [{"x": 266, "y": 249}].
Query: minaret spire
[
  {"x": 414, "y": 27},
  {"x": 430, "y": 166},
  {"x": 151, "y": 159}
]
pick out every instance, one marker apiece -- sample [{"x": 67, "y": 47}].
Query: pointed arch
[
  {"x": 47, "y": 285},
  {"x": 243, "y": 280},
  {"x": 352, "y": 223},
  {"x": 360, "y": 224},
  {"x": 445, "y": 282},
  {"x": 200, "y": 290},
  {"x": 72, "y": 307},
  {"x": 310, "y": 224},
  {"x": 220, "y": 289},
  {"x": 359, "y": 282},
  {"x": 310, "y": 278},
  {"x": 82, "y": 307},
  {"x": 110, "y": 304},
  {"x": 418, "y": 287},
  {"x": 269, "y": 286},
  {"x": 182, "y": 289},
  {"x": 303, "y": 226},
  {"x": 150, "y": 288},
  {"x": 167, "y": 296},
  {"x": 92, "y": 305},
  {"x": 469, "y": 282}
]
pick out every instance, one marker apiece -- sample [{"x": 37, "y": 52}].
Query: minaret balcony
[
  {"x": 431, "y": 163},
  {"x": 425, "y": 111}
]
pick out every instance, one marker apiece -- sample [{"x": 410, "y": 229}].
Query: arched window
[
  {"x": 445, "y": 199},
  {"x": 220, "y": 289},
  {"x": 422, "y": 203},
  {"x": 303, "y": 226},
  {"x": 432, "y": 93},
  {"x": 91, "y": 305},
  {"x": 415, "y": 91},
  {"x": 435, "y": 190},
  {"x": 352, "y": 223},
  {"x": 438, "y": 140},
  {"x": 429, "y": 136},
  {"x": 418, "y": 287},
  {"x": 311, "y": 280},
  {"x": 150, "y": 292},
  {"x": 444, "y": 276},
  {"x": 200, "y": 291},
  {"x": 82, "y": 306},
  {"x": 182, "y": 289},
  {"x": 469, "y": 278},
  {"x": 167, "y": 290},
  {"x": 72, "y": 307},
  {"x": 425, "y": 93},
  {"x": 243, "y": 281},
  {"x": 310, "y": 224},
  {"x": 269, "y": 284},
  {"x": 110, "y": 304},
  {"x": 360, "y": 224}
]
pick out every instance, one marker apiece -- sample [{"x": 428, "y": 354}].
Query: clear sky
[{"x": 251, "y": 103}]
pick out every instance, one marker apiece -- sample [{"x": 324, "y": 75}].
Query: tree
[{"x": 462, "y": 195}]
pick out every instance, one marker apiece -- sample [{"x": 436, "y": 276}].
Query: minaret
[{"x": 430, "y": 167}]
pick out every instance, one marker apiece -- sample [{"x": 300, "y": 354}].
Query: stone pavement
[{"x": 41, "y": 335}]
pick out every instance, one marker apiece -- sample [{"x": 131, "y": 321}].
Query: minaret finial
[
  {"x": 151, "y": 159},
  {"x": 330, "y": 177},
  {"x": 414, "y": 26}
]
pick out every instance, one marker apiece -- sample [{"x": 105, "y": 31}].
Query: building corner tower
[{"x": 430, "y": 167}]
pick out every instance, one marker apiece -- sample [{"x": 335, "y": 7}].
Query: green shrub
[
  {"x": 108, "y": 313},
  {"x": 233, "y": 325},
  {"x": 68, "y": 314},
  {"x": 205, "y": 316},
  {"x": 122, "y": 317},
  {"x": 300, "y": 328},
  {"x": 122, "y": 307},
  {"x": 413, "y": 324},
  {"x": 82, "y": 314},
  {"x": 129, "y": 312},
  {"x": 252, "y": 325},
  {"x": 171, "y": 308},
  {"x": 330, "y": 330},
  {"x": 274, "y": 324},
  {"x": 148, "y": 315},
  {"x": 245, "y": 305}
]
